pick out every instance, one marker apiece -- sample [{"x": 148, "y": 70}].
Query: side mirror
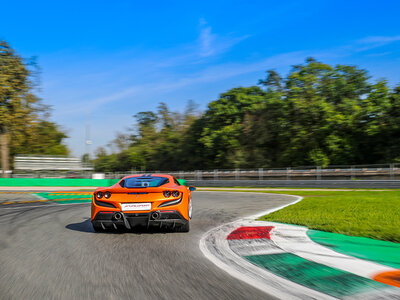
[
  {"x": 122, "y": 183},
  {"x": 192, "y": 188}
]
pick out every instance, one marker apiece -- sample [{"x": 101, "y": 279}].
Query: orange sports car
[{"x": 149, "y": 199}]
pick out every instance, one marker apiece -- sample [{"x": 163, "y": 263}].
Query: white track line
[
  {"x": 267, "y": 212},
  {"x": 254, "y": 247}
]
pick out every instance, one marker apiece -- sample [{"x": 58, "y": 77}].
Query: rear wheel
[
  {"x": 184, "y": 227},
  {"x": 190, "y": 208}
]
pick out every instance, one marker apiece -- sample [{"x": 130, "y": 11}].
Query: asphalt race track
[{"x": 49, "y": 251}]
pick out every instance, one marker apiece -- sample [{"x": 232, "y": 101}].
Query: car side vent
[{"x": 105, "y": 204}]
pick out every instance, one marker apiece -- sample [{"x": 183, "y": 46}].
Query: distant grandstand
[{"x": 49, "y": 163}]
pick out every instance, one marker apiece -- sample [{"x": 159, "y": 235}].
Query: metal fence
[{"x": 338, "y": 172}]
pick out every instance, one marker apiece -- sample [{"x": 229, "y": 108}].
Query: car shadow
[{"x": 86, "y": 226}]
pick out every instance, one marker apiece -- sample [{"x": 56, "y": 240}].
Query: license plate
[{"x": 135, "y": 206}]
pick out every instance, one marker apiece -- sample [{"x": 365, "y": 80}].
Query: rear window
[
  {"x": 176, "y": 181},
  {"x": 144, "y": 182}
]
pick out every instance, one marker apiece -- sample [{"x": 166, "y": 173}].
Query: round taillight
[
  {"x": 167, "y": 194},
  {"x": 99, "y": 195},
  {"x": 175, "y": 194},
  {"x": 107, "y": 195}
]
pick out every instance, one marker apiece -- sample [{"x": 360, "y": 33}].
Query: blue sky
[{"x": 107, "y": 60}]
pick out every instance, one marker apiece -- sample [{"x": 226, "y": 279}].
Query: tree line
[
  {"x": 317, "y": 115},
  {"x": 25, "y": 127}
]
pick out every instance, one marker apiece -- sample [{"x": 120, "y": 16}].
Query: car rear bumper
[{"x": 128, "y": 220}]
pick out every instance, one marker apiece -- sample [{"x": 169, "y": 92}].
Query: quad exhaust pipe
[
  {"x": 117, "y": 216},
  {"x": 155, "y": 215},
  {"x": 120, "y": 216}
]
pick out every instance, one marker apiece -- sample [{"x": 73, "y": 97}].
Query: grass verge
[
  {"x": 365, "y": 213},
  {"x": 357, "y": 213}
]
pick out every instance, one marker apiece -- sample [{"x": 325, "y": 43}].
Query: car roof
[{"x": 149, "y": 175}]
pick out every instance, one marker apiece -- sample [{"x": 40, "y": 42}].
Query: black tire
[{"x": 184, "y": 227}]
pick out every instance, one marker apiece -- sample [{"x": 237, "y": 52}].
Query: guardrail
[
  {"x": 368, "y": 172},
  {"x": 356, "y": 172},
  {"x": 47, "y": 182}
]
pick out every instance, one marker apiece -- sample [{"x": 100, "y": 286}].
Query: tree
[
  {"x": 16, "y": 100},
  {"x": 20, "y": 112},
  {"x": 317, "y": 115},
  {"x": 273, "y": 82},
  {"x": 221, "y": 135}
]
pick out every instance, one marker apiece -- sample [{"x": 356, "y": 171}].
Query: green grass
[{"x": 373, "y": 214}]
